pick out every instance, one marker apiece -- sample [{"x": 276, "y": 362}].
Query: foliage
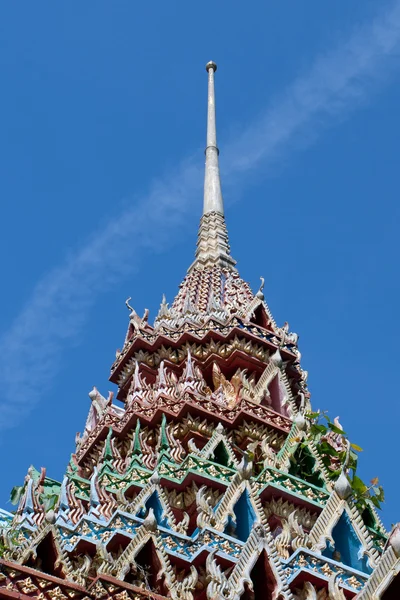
[
  {"x": 12, "y": 537},
  {"x": 16, "y": 494},
  {"x": 48, "y": 498},
  {"x": 2, "y": 546},
  {"x": 303, "y": 465},
  {"x": 334, "y": 459}
]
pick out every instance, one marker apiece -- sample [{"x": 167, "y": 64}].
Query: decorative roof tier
[{"x": 214, "y": 480}]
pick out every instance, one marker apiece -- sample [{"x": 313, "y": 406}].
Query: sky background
[{"x": 102, "y": 120}]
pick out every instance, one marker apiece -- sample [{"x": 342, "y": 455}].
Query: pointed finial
[
  {"x": 162, "y": 381},
  {"x": 245, "y": 468},
  {"x": 342, "y": 486},
  {"x": 220, "y": 428},
  {"x": 211, "y": 65},
  {"x": 150, "y": 522},
  {"x": 187, "y": 307},
  {"x": 29, "y": 502},
  {"x": 260, "y": 293},
  {"x": 137, "y": 448},
  {"x": 155, "y": 478},
  {"x": 64, "y": 504},
  {"x": 212, "y": 185},
  {"x": 137, "y": 382},
  {"x": 163, "y": 442},
  {"x": 108, "y": 452},
  {"x": 189, "y": 375},
  {"x": 300, "y": 421},
  {"x": 94, "y": 497},
  {"x": 93, "y": 393},
  {"x": 164, "y": 310},
  {"x": 276, "y": 358},
  {"x": 212, "y": 242}
]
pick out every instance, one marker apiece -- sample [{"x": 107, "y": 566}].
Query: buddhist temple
[{"x": 213, "y": 477}]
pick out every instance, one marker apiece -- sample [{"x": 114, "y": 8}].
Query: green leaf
[
  {"x": 16, "y": 494},
  {"x": 357, "y": 448},
  {"x": 318, "y": 428},
  {"x": 375, "y": 502},
  {"x": 334, "y": 474},
  {"x": 358, "y": 485},
  {"x": 49, "y": 490},
  {"x": 361, "y": 504},
  {"x": 364, "y": 495},
  {"x": 312, "y": 415},
  {"x": 326, "y": 448},
  {"x": 335, "y": 429},
  {"x": 353, "y": 459},
  {"x": 51, "y": 502}
]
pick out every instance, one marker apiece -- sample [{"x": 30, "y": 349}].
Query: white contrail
[{"x": 337, "y": 83}]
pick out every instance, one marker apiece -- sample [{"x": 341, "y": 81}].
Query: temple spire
[
  {"x": 212, "y": 183},
  {"x": 212, "y": 243}
]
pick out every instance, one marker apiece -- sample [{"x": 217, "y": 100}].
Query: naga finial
[
  {"x": 134, "y": 319},
  {"x": 128, "y": 306},
  {"x": 260, "y": 293}
]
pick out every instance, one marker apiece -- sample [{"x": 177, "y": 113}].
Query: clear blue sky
[{"x": 102, "y": 103}]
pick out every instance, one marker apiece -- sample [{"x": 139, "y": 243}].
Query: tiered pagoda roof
[{"x": 213, "y": 480}]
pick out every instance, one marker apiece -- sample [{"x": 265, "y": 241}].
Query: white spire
[
  {"x": 212, "y": 184},
  {"x": 212, "y": 244}
]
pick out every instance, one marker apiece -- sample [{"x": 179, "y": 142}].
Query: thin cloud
[
  {"x": 59, "y": 305},
  {"x": 338, "y": 82}
]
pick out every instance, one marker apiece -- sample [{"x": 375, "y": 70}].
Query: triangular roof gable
[
  {"x": 260, "y": 541},
  {"x": 291, "y": 446},
  {"x": 121, "y": 566},
  {"x": 242, "y": 496},
  {"x": 31, "y": 548},
  {"x": 218, "y": 441},
  {"x": 244, "y": 516},
  {"x": 153, "y": 496},
  {"x": 322, "y": 535}
]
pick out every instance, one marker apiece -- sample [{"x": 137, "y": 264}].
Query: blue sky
[{"x": 102, "y": 115}]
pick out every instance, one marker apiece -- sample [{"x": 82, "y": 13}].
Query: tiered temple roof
[{"x": 212, "y": 480}]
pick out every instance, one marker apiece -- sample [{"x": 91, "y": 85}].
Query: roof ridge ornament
[{"x": 212, "y": 243}]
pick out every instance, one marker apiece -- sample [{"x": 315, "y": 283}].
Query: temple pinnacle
[
  {"x": 212, "y": 243},
  {"x": 212, "y": 184}
]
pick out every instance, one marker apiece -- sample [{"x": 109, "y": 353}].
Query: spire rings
[{"x": 215, "y": 148}]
